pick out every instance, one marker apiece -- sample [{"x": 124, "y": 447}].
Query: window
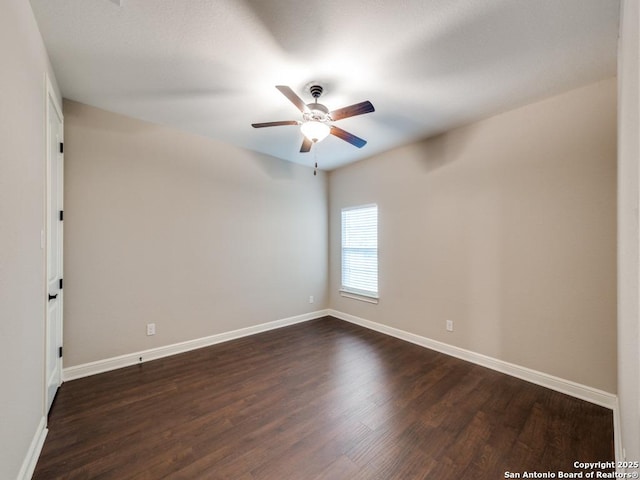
[{"x": 360, "y": 252}]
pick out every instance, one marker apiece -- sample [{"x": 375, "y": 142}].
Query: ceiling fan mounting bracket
[{"x": 315, "y": 88}]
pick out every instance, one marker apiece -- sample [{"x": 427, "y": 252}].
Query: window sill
[{"x": 359, "y": 296}]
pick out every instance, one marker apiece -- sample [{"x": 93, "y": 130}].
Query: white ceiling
[{"x": 210, "y": 66}]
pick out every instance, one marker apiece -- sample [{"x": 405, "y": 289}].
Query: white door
[{"x": 53, "y": 354}]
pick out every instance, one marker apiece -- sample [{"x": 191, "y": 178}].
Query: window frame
[{"x": 369, "y": 296}]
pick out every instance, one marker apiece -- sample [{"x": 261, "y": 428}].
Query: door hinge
[
  {"x": 61, "y": 215},
  {"x": 60, "y": 352},
  {"x": 60, "y": 283},
  {"x": 61, "y": 147}
]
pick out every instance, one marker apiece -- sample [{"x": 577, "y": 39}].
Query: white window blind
[{"x": 360, "y": 250}]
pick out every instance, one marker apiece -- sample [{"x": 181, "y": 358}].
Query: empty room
[{"x": 281, "y": 240}]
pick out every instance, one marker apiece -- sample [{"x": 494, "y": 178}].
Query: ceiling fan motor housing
[{"x": 317, "y": 112}]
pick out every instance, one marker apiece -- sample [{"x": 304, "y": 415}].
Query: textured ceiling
[{"x": 210, "y": 66}]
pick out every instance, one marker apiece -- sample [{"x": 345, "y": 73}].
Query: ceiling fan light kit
[
  {"x": 315, "y": 131},
  {"x": 316, "y": 118}
]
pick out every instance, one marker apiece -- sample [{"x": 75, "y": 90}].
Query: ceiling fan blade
[
  {"x": 293, "y": 98},
  {"x": 348, "y": 137},
  {"x": 352, "y": 110},
  {"x": 274, "y": 124},
  {"x": 306, "y": 145}
]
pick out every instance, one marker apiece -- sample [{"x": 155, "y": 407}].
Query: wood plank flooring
[{"x": 320, "y": 400}]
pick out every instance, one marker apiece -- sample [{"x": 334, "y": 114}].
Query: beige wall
[
  {"x": 22, "y": 187},
  {"x": 508, "y": 228},
  {"x": 192, "y": 234}
]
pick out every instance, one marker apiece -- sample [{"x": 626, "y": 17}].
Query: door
[{"x": 53, "y": 330}]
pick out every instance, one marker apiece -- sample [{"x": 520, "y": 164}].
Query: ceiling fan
[{"x": 316, "y": 118}]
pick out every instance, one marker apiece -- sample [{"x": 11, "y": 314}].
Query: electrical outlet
[
  {"x": 151, "y": 328},
  {"x": 311, "y": 299},
  {"x": 449, "y": 325}
]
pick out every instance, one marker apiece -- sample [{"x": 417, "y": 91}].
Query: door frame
[{"x": 51, "y": 99}]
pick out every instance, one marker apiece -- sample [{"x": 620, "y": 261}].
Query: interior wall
[
  {"x": 194, "y": 235},
  {"x": 507, "y": 227},
  {"x": 628, "y": 229},
  {"x": 22, "y": 193}
]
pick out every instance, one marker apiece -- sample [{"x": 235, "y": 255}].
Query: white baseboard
[
  {"x": 583, "y": 392},
  {"x": 101, "y": 366},
  {"x": 568, "y": 387},
  {"x": 561, "y": 385},
  {"x": 31, "y": 459}
]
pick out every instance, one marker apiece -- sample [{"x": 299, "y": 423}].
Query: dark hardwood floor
[{"x": 319, "y": 400}]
